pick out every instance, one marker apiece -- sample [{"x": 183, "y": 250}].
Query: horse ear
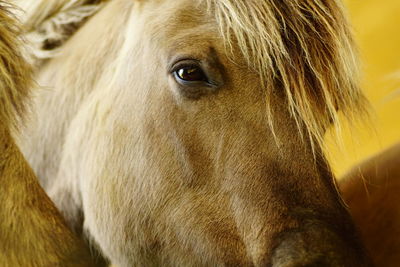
[{"x": 49, "y": 24}]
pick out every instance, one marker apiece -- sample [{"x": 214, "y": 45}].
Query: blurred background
[{"x": 376, "y": 25}]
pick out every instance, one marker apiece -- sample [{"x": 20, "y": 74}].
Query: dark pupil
[{"x": 191, "y": 74}]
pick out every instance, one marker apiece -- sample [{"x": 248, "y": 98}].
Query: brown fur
[
  {"x": 15, "y": 72},
  {"x": 223, "y": 178},
  {"x": 372, "y": 191},
  {"x": 32, "y": 231}
]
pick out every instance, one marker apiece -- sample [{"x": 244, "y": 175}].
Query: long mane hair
[
  {"x": 302, "y": 48},
  {"x": 15, "y": 73}
]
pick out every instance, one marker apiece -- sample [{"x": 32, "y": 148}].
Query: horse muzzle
[{"x": 317, "y": 244}]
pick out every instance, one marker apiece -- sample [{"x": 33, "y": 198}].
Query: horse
[
  {"x": 370, "y": 189},
  {"x": 32, "y": 230},
  {"x": 190, "y": 133}
]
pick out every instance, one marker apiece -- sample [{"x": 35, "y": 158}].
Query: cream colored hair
[
  {"x": 302, "y": 48},
  {"x": 49, "y": 24}
]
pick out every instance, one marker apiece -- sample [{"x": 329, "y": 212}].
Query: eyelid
[
  {"x": 190, "y": 63},
  {"x": 185, "y": 63},
  {"x": 214, "y": 79}
]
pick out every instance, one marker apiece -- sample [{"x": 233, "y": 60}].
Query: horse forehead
[
  {"x": 172, "y": 17},
  {"x": 181, "y": 26}
]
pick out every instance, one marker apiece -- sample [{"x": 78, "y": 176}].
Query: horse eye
[{"x": 191, "y": 74}]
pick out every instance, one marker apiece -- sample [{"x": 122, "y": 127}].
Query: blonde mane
[
  {"x": 301, "y": 48},
  {"x": 15, "y": 73}
]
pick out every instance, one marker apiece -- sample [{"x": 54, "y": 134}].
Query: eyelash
[
  {"x": 176, "y": 69},
  {"x": 182, "y": 66},
  {"x": 191, "y": 63}
]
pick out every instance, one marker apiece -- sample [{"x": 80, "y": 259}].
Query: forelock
[{"x": 304, "y": 48}]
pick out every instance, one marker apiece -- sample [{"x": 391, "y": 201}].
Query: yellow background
[{"x": 376, "y": 25}]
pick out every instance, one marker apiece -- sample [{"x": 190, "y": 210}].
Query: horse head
[{"x": 191, "y": 132}]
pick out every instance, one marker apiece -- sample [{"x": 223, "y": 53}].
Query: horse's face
[{"x": 187, "y": 168}]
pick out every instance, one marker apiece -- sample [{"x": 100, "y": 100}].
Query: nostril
[{"x": 316, "y": 245}]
